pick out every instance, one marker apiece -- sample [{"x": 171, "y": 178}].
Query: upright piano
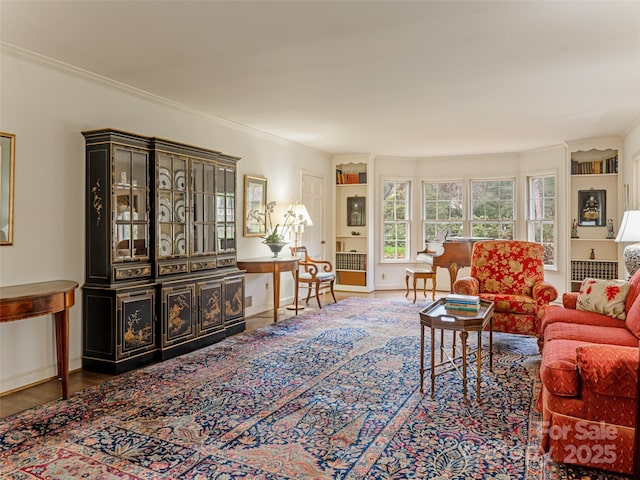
[{"x": 457, "y": 254}]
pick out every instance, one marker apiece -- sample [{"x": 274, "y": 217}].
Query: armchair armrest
[
  {"x": 467, "y": 286},
  {"x": 309, "y": 268},
  {"x": 570, "y": 300},
  {"x": 325, "y": 265},
  {"x": 609, "y": 369},
  {"x": 544, "y": 292}
]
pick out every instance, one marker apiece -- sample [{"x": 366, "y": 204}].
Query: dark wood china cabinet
[{"x": 161, "y": 274}]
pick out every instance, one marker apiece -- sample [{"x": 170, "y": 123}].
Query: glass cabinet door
[
  {"x": 204, "y": 215},
  {"x": 172, "y": 206},
  {"x": 225, "y": 208},
  {"x": 131, "y": 235}
]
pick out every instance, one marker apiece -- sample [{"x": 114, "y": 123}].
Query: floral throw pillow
[{"x": 607, "y": 297}]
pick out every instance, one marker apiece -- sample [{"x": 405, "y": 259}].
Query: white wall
[{"x": 47, "y": 107}]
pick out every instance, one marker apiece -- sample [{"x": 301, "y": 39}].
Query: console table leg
[{"x": 62, "y": 349}]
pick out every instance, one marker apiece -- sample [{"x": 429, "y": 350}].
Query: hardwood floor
[{"x": 79, "y": 380}]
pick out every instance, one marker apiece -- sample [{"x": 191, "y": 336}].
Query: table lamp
[
  {"x": 301, "y": 220},
  {"x": 630, "y": 232}
]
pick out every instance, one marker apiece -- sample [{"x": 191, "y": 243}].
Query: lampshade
[
  {"x": 630, "y": 227},
  {"x": 301, "y": 214},
  {"x": 630, "y": 232}
]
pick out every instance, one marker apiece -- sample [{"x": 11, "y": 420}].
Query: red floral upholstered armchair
[{"x": 511, "y": 274}]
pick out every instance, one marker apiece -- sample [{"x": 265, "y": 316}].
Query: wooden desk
[
  {"x": 36, "y": 299},
  {"x": 274, "y": 265}
]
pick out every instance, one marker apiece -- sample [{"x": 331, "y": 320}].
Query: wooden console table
[
  {"x": 275, "y": 265},
  {"x": 36, "y": 299}
]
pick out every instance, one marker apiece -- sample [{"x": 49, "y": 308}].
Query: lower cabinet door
[
  {"x": 210, "y": 308},
  {"x": 233, "y": 298},
  {"x": 136, "y": 323},
  {"x": 178, "y": 314}
]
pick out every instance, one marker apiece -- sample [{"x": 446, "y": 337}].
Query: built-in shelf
[
  {"x": 593, "y": 165},
  {"x": 354, "y": 213}
]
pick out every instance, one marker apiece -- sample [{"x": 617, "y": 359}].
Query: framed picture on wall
[
  {"x": 7, "y": 160},
  {"x": 356, "y": 211},
  {"x": 255, "y": 201},
  {"x": 592, "y": 208}
]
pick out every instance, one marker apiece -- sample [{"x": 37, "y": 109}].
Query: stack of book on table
[{"x": 462, "y": 303}]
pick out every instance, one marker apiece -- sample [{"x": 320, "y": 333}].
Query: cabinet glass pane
[
  {"x": 198, "y": 238},
  {"x": 209, "y": 178},
  {"x": 220, "y": 208},
  {"x": 210, "y": 238},
  {"x": 179, "y": 207},
  {"x": 165, "y": 244},
  {"x": 179, "y": 239},
  {"x": 231, "y": 236},
  {"x": 139, "y": 170},
  {"x": 122, "y": 167},
  {"x": 221, "y": 234},
  {"x": 179, "y": 174},
  {"x": 230, "y": 209},
  {"x": 198, "y": 208},
  {"x": 229, "y": 181},
  {"x": 220, "y": 188},
  {"x": 209, "y": 210},
  {"x": 165, "y": 207}
]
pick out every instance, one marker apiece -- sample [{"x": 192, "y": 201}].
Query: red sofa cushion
[
  {"x": 558, "y": 369},
  {"x": 556, "y": 313},
  {"x": 609, "y": 369},
  {"x": 590, "y": 333},
  {"x": 633, "y": 318}
]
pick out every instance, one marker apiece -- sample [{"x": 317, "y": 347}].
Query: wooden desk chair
[
  {"x": 424, "y": 274},
  {"x": 316, "y": 274}
]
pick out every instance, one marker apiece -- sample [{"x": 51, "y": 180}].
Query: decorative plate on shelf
[
  {"x": 165, "y": 245},
  {"x": 179, "y": 180},
  {"x": 179, "y": 210},
  {"x": 181, "y": 244},
  {"x": 164, "y": 212},
  {"x": 164, "y": 178}
]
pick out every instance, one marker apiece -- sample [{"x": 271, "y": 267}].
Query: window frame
[
  {"x": 514, "y": 218},
  {"x": 423, "y": 204},
  {"x": 406, "y": 221},
  {"x": 531, "y": 223}
]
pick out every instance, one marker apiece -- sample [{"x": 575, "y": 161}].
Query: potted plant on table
[{"x": 276, "y": 236}]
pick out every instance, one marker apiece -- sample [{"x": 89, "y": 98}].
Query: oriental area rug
[{"x": 329, "y": 394}]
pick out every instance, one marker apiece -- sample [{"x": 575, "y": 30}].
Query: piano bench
[{"x": 424, "y": 274}]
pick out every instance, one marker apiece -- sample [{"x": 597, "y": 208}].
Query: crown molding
[{"x": 72, "y": 70}]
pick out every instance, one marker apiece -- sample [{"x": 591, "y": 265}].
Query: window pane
[
  {"x": 542, "y": 214},
  {"x": 442, "y": 208},
  {"x": 493, "y": 207},
  {"x": 395, "y": 204}
]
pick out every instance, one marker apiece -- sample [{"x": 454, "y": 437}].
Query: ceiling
[{"x": 397, "y": 78}]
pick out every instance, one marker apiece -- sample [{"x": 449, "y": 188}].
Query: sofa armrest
[
  {"x": 610, "y": 370},
  {"x": 570, "y": 299},
  {"x": 467, "y": 286},
  {"x": 544, "y": 292}
]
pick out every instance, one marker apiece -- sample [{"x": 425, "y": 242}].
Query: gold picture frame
[
  {"x": 255, "y": 202},
  {"x": 7, "y": 163}
]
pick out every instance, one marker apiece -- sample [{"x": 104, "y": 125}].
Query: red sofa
[{"x": 589, "y": 374}]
